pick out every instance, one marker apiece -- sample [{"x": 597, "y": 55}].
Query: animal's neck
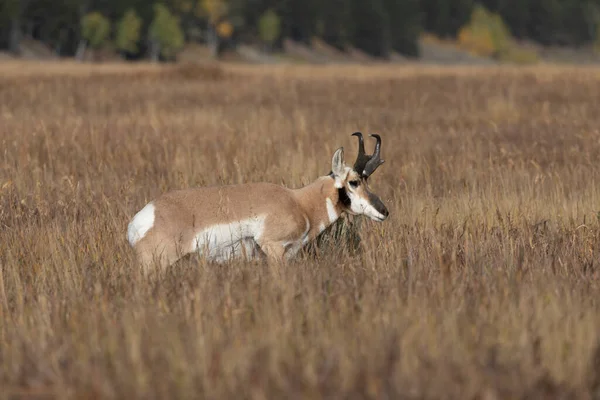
[{"x": 320, "y": 200}]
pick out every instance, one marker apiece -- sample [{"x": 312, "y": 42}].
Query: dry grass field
[{"x": 484, "y": 283}]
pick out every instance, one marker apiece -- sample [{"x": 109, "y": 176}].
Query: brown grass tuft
[{"x": 483, "y": 284}]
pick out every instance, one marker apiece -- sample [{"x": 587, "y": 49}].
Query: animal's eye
[{"x": 354, "y": 183}]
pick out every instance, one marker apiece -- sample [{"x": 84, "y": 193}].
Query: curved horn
[
  {"x": 361, "y": 142},
  {"x": 375, "y": 160},
  {"x": 361, "y": 158}
]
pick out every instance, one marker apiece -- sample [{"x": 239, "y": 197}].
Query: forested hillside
[{"x": 158, "y": 30}]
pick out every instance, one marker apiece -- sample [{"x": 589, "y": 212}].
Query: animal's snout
[
  {"x": 381, "y": 209},
  {"x": 384, "y": 211},
  {"x": 378, "y": 205}
]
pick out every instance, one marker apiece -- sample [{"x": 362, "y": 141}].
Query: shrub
[{"x": 518, "y": 55}]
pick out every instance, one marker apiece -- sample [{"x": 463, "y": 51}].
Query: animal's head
[{"x": 352, "y": 183}]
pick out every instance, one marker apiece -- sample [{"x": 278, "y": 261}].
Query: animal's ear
[{"x": 338, "y": 168}]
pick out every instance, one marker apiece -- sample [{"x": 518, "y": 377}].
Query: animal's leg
[
  {"x": 293, "y": 250},
  {"x": 283, "y": 238},
  {"x": 162, "y": 256},
  {"x": 274, "y": 251},
  {"x": 249, "y": 249},
  {"x": 149, "y": 261}
]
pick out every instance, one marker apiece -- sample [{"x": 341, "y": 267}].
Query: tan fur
[{"x": 180, "y": 215}]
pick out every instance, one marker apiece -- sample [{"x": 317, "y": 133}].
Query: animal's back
[{"x": 205, "y": 206}]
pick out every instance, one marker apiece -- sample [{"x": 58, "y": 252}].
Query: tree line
[{"x": 158, "y": 30}]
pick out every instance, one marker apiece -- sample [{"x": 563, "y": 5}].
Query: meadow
[{"x": 482, "y": 284}]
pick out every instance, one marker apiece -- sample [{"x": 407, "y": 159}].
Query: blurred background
[{"x": 303, "y": 31}]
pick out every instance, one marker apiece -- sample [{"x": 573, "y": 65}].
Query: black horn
[
  {"x": 375, "y": 161},
  {"x": 361, "y": 158}
]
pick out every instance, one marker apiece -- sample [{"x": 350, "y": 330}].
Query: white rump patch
[
  {"x": 322, "y": 227},
  {"x": 331, "y": 212},
  {"x": 140, "y": 224},
  {"x": 223, "y": 242}
]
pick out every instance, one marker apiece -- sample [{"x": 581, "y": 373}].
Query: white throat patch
[{"x": 331, "y": 212}]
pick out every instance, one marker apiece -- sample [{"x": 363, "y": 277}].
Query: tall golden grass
[{"x": 483, "y": 283}]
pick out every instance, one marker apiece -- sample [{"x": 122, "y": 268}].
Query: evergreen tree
[
  {"x": 444, "y": 17},
  {"x": 371, "y": 31},
  {"x": 334, "y": 22},
  {"x": 405, "y": 25},
  {"x": 437, "y": 16},
  {"x": 11, "y": 14},
  {"x": 517, "y": 15},
  {"x": 375, "y": 26},
  {"x": 545, "y": 23},
  {"x": 299, "y": 19}
]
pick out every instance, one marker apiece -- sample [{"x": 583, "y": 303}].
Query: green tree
[
  {"x": 166, "y": 35},
  {"x": 128, "y": 32},
  {"x": 95, "y": 28},
  {"x": 269, "y": 27}
]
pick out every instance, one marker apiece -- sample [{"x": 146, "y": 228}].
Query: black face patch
[{"x": 343, "y": 197}]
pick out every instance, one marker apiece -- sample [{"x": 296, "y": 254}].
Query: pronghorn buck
[{"x": 256, "y": 219}]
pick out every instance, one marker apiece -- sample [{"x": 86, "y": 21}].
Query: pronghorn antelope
[{"x": 255, "y": 219}]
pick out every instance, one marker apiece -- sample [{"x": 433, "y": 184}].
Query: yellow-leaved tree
[
  {"x": 219, "y": 28},
  {"x": 487, "y": 35},
  {"x": 215, "y": 10}
]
